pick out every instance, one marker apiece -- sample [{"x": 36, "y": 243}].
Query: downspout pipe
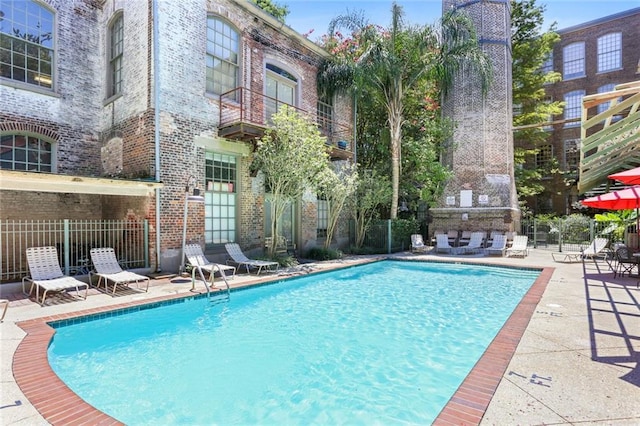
[{"x": 156, "y": 119}]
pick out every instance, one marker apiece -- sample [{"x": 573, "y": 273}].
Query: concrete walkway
[{"x": 577, "y": 362}]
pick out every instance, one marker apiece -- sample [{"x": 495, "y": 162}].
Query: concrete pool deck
[{"x": 577, "y": 361}]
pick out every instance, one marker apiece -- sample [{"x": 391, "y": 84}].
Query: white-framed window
[
  {"x": 221, "y": 179},
  {"x": 573, "y": 61},
  {"x": 115, "y": 49},
  {"x": 223, "y": 59},
  {"x": 323, "y": 216},
  {"x": 571, "y": 155},
  {"x": 27, "y": 42},
  {"x": 281, "y": 88},
  {"x": 544, "y": 156},
  {"x": 26, "y": 152},
  {"x": 573, "y": 107},
  {"x": 610, "y": 52}
]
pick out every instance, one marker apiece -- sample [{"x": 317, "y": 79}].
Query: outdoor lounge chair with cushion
[
  {"x": 498, "y": 245},
  {"x": 476, "y": 243},
  {"x": 45, "y": 273},
  {"x": 199, "y": 263},
  {"x": 520, "y": 246},
  {"x": 238, "y": 257},
  {"x": 417, "y": 243},
  {"x": 442, "y": 244},
  {"x": 107, "y": 268}
]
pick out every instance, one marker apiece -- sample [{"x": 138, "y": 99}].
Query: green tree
[
  {"x": 273, "y": 8},
  {"x": 291, "y": 155},
  {"x": 392, "y": 61},
  {"x": 336, "y": 184},
  {"x": 372, "y": 191},
  {"x": 530, "y": 49}
]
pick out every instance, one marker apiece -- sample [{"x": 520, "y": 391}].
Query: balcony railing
[{"x": 244, "y": 115}]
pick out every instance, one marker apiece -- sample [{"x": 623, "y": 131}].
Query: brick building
[
  {"x": 110, "y": 108},
  {"x": 592, "y": 57}
]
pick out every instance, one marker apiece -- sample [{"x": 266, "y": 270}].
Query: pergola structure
[{"x": 610, "y": 140}]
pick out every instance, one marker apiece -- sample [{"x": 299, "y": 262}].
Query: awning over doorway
[{"x": 11, "y": 180}]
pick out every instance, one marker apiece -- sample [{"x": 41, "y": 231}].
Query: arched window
[
  {"x": 223, "y": 46},
  {"x": 281, "y": 88},
  {"x": 26, "y": 43},
  {"x": 573, "y": 61},
  {"x": 610, "y": 52},
  {"x": 24, "y": 152},
  {"x": 115, "y": 51},
  {"x": 573, "y": 107}
]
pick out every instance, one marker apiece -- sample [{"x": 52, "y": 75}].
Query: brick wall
[
  {"x": 482, "y": 153},
  {"x": 557, "y": 190}
]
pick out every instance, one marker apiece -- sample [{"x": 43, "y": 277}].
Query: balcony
[{"x": 244, "y": 116}]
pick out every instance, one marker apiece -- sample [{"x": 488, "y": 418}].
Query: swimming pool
[{"x": 382, "y": 343}]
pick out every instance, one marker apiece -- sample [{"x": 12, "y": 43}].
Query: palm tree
[{"x": 388, "y": 63}]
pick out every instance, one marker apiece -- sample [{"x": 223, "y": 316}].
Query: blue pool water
[{"x": 384, "y": 343}]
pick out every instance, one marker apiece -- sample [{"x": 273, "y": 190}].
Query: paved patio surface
[{"x": 578, "y": 361}]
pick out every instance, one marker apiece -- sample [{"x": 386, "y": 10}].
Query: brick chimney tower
[{"x": 482, "y": 194}]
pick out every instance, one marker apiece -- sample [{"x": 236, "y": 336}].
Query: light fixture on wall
[{"x": 189, "y": 197}]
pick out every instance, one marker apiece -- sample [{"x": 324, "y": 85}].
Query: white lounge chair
[
  {"x": 107, "y": 268},
  {"x": 442, "y": 244},
  {"x": 594, "y": 249},
  {"x": 199, "y": 263},
  {"x": 498, "y": 245},
  {"x": 520, "y": 246},
  {"x": 476, "y": 243},
  {"x": 45, "y": 273},
  {"x": 465, "y": 238},
  {"x": 417, "y": 243},
  {"x": 238, "y": 257}
]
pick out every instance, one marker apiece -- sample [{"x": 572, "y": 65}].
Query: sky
[{"x": 306, "y": 15}]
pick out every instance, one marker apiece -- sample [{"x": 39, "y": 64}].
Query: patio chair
[
  {"x": 238, "y": 257},
  {"x": 498, "y": 245},
  {"x": 107, "y": 268},
  {"x": 625, "y": 262},
  {"x": 434, "y": 239},
  {"x": 509, "y": 236},
  {"x": 417, "y": 243},
  {"x": 476, "y": 243},
  {"x": 452, "y": 235},
  {"x": 199, "y": 263},
  {"x": 442, "y": 244},
  {"x": 465, "y": 238},
  {"x": 45, "y": 273},
  {"x": 520, "y": 246},
  {"x": 596, "y": 249}
]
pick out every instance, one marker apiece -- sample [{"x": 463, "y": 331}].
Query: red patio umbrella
[
  {"x": 624, "y": 199},
  {"x": 629, "y": 177},
  {"x": 619, "y": 200}
]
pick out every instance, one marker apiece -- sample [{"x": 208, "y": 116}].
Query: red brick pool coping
[{"x": 58, "y": 404}]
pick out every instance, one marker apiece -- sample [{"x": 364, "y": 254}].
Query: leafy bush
[{"x": 321, "y": 253}]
